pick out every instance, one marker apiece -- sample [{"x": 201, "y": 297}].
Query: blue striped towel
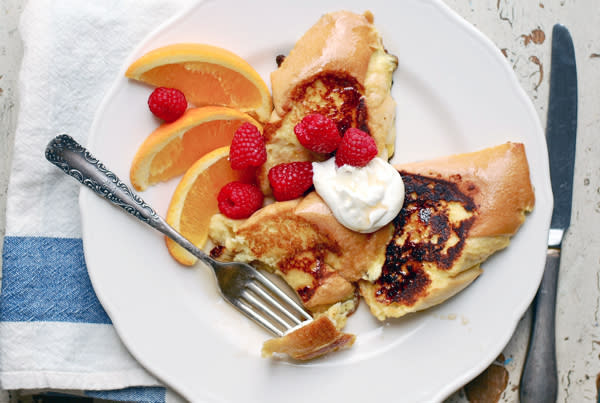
[{"x": 54, "y": 332}]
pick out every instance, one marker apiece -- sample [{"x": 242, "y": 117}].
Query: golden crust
[
  {"x": 358, "y": 254},
  {"x": 497, "y": 178},
  {"x": 274, "y": 232},
  {"x": 441, "y": 288},
  {"x": 338, "y": 68},
  {"x": 339, "y": 41},
  {"x": 313, "y": 340},
  {"x": 311, "y": 250},
  {"x": 492, "y": 194},
  {"x": 296, "y": 251},
  {"x": 458, "y": 211}
]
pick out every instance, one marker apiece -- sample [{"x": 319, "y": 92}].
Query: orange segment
[
  {"x": 207, "y": 75},
  {"x": 194, "y": 201},
  {"x": 172, "y": 148}
]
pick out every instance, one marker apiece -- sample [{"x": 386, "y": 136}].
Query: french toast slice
[
  {"x": 301, "y": 241},
  {"x": 319, "y": 337},
  {"x": 458, "y": 211},
  {"x": 277, "y": 239},
  {"x": 320, "y": 259},
  {"x": 313, "y": 340},
  {"x": 340, "y": 69}
]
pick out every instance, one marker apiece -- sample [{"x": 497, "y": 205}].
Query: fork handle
[{"x": 74, "y": 160}]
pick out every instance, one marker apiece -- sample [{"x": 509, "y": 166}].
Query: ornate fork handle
[
  {"x": 64, "y": 152},
  {"x": 240, "y": 284}
]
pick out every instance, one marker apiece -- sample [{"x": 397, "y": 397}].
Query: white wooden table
[{"x": 522, "y": 30}]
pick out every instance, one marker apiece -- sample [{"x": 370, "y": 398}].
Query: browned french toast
[
  {"x": 313, "y": 340},
  {"x": 302, "y": 242},
  {"x": 340, "y": 69},
  {"x": 458, "y": 211}
]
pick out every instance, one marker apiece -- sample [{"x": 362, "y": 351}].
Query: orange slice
[
  {"x": 194, "y": 201},
  {"x": 172, "y": 148},
  {"x": 207, "y": 75}
]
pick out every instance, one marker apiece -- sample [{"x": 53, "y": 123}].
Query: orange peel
[
  {"x": 173, "y": 147},
  {"x": 194, "y": 201},
  {"x": 207, "y": 75}
]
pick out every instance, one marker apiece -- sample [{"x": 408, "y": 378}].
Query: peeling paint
[
  {"x": 506, "y": 12},
  {"x": 490, "y": 385},
  {"x": 568, "y": 385},
  {"x": 535, "y": 60},
  {"x": 537, "y": 36},
  {"x": 503, "y": 18}
]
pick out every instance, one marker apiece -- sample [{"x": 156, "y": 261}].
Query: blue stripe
[
  {"x": 136, "y": 394},
  {"x": 46, "y": 280}
]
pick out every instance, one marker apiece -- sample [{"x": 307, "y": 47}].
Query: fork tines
[{"x": 263, "y": 302}]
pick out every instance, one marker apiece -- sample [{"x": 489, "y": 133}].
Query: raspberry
[
  {"x": 290, "y": 180},
  {"x": 167, "y": 104},
  {"x": 247, "y": 148},
  {"x": 239, "y": 200},
  {"x": 318, "y": 133},
  {"x": 357, "y": 148}
]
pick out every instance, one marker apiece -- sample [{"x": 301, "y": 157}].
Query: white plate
[{"x": 455, "y": 93}]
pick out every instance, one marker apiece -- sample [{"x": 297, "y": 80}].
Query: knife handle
[{"x": 539, "y": 382}]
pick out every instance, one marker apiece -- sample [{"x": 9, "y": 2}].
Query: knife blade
[{"x": 539, "y": 381}]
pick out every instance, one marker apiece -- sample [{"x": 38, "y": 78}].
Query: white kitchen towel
[{"x": 53, "y": 331}]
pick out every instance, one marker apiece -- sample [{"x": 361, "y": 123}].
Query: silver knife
[{"x": 539, "y": 382}]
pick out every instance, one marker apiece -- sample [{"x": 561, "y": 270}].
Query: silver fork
[{"x": 240, "y": 284}]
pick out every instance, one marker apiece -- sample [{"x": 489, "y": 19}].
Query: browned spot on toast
[
  {"x": 270, "y": 129},
  {"x": 425, "y": 232},
  {"x": 310, "y": 262},
  {"x": 340, "y": 99},
  {"x": 279, "y": 59},
  {"x": 217, "y": 251}
]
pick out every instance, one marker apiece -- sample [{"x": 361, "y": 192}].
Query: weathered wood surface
[{"x": 522, "y": 30}]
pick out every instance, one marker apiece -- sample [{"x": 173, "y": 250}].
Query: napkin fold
[{"x": 54, "y": 333}]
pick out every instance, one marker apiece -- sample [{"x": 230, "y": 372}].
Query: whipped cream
[{"x": 362, "y": 199}]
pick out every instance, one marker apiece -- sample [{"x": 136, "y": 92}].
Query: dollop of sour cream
[{"x": 362, "y": 199}]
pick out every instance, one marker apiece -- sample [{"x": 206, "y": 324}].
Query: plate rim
[{"x": 453, "y": 17}]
